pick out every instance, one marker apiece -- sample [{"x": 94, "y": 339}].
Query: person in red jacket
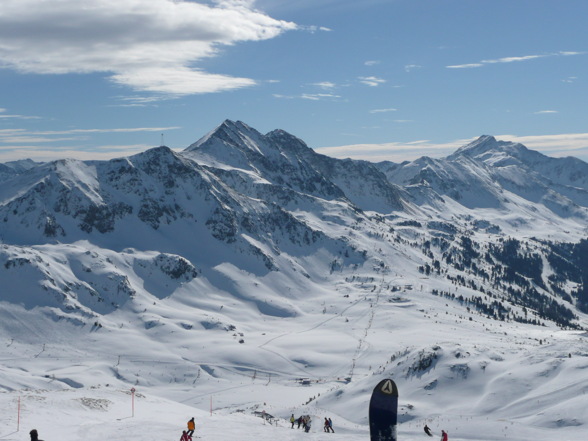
[
  {"x": 443, "y": 435},
  {"x": 185, "y": 436}
]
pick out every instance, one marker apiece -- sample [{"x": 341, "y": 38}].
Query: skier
[
  {"x": 331, "y": 425},
  {"x": 428, "y": 430},
  {"x": 326, "y": 426},
  {"x": 191, "y": 427},
  {"x": 34, "y": 435},
  {"x": 299, "y": 421},
  {"x": 292, "y": 420},
  {"x": 443, "y": 435},
  {"x": 307, "y": 424},
  {"x": 185, "y": 436}
]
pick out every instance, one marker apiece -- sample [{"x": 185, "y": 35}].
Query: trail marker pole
[
  {"x": 18, "y": 416},
  {"x": 133, "y": 402}
]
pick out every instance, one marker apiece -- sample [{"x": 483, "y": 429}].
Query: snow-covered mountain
[
  {"x": 495, "y": 174},
  {"x": 251, "y": 269}
]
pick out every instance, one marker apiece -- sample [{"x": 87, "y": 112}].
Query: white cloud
[
  {"x": 325, "y": 85},
  {"x": 314, "y": 29},
  {"x": 574, "y": 144},
  {"x": 146, "y": 45},
  {"x": 411, "y": 67},
  {"x": 464, "y": 66},
  {"x": 10, "y": 137},
  {"x": 4, "y": 115},
  {"x": 371, "y": 81},
  {"x": 544, "y": 112},
  {"x": 383, "y": 110},
  {"x": 14, "y": 153},
  {"x": 372, "y": 62},
  {"x": 569, "y": 79},
  {"x": 512, "y": 59},
  {"x": 319, "y": 96},
  {"x": 116, "y": 130},
  {"x": 308, "y": 96},
  {"x": 566, "y": 144},
  {"x": 393, "y": 151}
]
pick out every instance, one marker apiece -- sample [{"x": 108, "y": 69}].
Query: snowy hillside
[{"x": 249, "y": 274}]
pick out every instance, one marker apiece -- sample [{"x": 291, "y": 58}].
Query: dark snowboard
[{"x": 384, "y": 411}]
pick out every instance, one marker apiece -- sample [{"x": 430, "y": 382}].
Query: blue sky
[{"x": 376, "y": 79}]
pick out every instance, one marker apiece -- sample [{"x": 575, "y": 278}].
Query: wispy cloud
[
  {"x": 36, "y": 153},
  {"x": 22, "y": 143},
  {"x": 314, "y": 29},
  {"x": 325, "y": 85},
  {"x": 574, "y": 144},
  {"x": 393, "y": 151},
  {"x": 569, "y": 79},
  {"x": 319, "y": 96},
  {"x": 464, "y": 66},
  {"x": 371, "y": 62},
  {"x": 149, "y": 46},
  {"x": 4, "y": 115},
  {"x": 383, "y": 110},
  {"x": 565, "y": 144},
  {"x": 512, "y": 59},
  {"x": 309, "y": 96},
  {"x": 411, "y": 67},
  {"x": 105, "y": 130},
  {"x": 545, "y": 112},
  {"x": 371, "y": 81}
]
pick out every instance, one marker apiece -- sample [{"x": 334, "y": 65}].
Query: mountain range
[{"x": 171, "y": 259}]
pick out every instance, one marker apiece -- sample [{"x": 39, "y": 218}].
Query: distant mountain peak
[{"x": 481, "y": 145}]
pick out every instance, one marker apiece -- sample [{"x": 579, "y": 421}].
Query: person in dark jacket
[
  {"x": 34, "y": 435},
  {"x": 331, "y": 426},
  {"x": 428, "y": 430}
]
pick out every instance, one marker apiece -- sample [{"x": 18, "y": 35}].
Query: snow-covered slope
[{"x": 249, "y": 273}]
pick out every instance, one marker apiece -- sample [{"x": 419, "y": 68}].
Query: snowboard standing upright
[{"x": 383, "y": 412}]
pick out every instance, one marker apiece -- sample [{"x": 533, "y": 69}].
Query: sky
[{"x": 375, "y": 80}]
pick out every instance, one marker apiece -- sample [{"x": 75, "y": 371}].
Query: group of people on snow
[
  {"x": 187, "y": 434},
  {"x": 444, "y": 436},
  {"x": 328, "y": 426},
  {"x": 305, "y": 422}
]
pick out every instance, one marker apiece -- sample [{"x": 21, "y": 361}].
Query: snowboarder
[
  {"x": 428, "y": 430},
  {"x": 191, "y": 427},
  {"x": 34, "y": 435},
  {"x": 185, "y": 436},
  {"x": 443, "y": 435},
  {"x": 292, "y": 420}
]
